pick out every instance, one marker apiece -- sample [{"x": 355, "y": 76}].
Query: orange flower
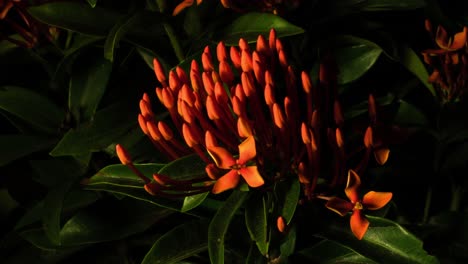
[
  {"x": 446, "y": 43},
  {"x": 238, "y": 167},
  {"x": 371, "y": 200},
  {"x": 449, "y": 63}
]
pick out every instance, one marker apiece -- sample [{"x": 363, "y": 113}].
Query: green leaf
[
  {"x": 76, "y": 16},
  {"x": 35, "y": 109},
  {"x": 362, "y": 108},
  {"x": 193, "y": 201},
  {"x": 330, "y": 252},
  {"x": 289, "y": 243},
  {"x": 188, "y": 167},
  {"x": 61, "y": 173},
  {"x": 105, "y": 222},
  {"x": 411, "y": 61},
  {"x": 92, "y": 3},
  {"x": 192, "y": 22},
  {"x": 116, "y": 33},
  {"x": 220, "y": 223},
  {"x": 87, "y": 86},
  {"x": 18, "y": 146},
  {"x": 119, "y": 179},
  {"x": 79, "y": 43},
  {"x": 410, "y": 115},
  {"x": 384, "y": 242},
  {"x": 288, "y": 195},
  {"x": 179, "y": 243},
  {"x": 250, "y": 25},
  {"x": 108, "y": 125},
  {"x": 121, "y": 175},
  {"x": 354, "y": 57},
  {"x": 256, "y": 217}
]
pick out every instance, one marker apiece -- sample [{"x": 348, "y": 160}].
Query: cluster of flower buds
[
  {"x": 251, "y": 103},
  {"x": 449, "y": 63}
]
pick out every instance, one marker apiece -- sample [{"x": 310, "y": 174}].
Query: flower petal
[
  {"x": 251, "y": 176},
  {"x": 352, "y": 186},
  {"x": 339, "y": 206},
  {"x": 221, "y": 157},
  {"x": 226, "y": 182},
  {"x": 376, "y": 200},
  {"x": 182, "y": 6},
  {"x": 381, "y": 155},
  {"x": 459, "y": 40},
  {"x": 359, "y": 224},
  {"x": 247, "y": 150}
]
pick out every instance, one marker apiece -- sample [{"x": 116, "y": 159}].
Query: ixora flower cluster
[
  {"x": 252, "y": 120},
  {"x": 449, "y": 63}
]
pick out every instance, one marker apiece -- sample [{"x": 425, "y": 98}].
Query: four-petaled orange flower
[
  {"x": 238, "y": 167},
  {"x": 371, "y": 200}
]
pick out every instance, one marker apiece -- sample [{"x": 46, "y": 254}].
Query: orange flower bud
[
  {"x": 123, "y": 155},
  {"x": 278, "y": 116},
  {"x": 159, "y": 71},
  {"x": 281, "y": 224},
  {"x": 225, "y": 72},
  {"x": 165, "y": 130},
  {"x": 207, "y": 62},
  {"x": 235, "y": 57},
  {"x": 306, "y": 83},
  {"x": 246, "y": 61},
  {"x": 142, "y": 123},
  {"x": 221, "y": 52},
  {"x": 269, "y": 95},
  {"x": 243, "y": 128}
]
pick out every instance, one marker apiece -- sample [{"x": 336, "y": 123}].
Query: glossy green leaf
[
  {"x": 250, "y": 25},
  {"x": 108, "y": 125},
  {"x": 60, "y": 174},
  {"x": 179, "y": 243},
  {"x": 411, "y": 61},
  {"x": 354, "y": 57},
  {"x": 121, "y": 175},
  {"x": 33, "y": 108},
  {"x": 330, "y": 252},
  {"x": 193, "y": 201},
  {"x": 185, "y": 168},
  {"x": 116, "y": 33},
  {"x": 138, "y": 194},
  {"x": 384, "y": 242},
  {"x": 288, "y": 196},
  {"x": 220, "y": 223},
  {"x": 119, "y": 179},
  {"x": 288, "y": 245},
  {"x": 410, "y": 115},
  {"x": 87, "y": 86},
  {"x": 106, "y": 222},
  {"x": 76, "y": 16},
  {"x": 52, "y": 212},
  {"x": 18, "y": 146},
  {"x": 256, "y": 220}
]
